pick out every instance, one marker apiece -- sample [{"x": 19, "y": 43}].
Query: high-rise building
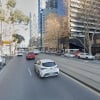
[
  {"x": 61, "y": 8},
  {"x": 83, "y": 20},
  {"x": 51, "y": 4},
  {"x": 51, "y": 7},
  {"x": 83, "y": 16}
]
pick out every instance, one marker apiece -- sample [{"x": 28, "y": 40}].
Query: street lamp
[
  {"x": 30, "y": 26},
  {"x": 41, "y": 45}
]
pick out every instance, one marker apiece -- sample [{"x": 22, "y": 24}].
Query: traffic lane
[
  {"x": 11, "y": 80},
  {"x": 61, "y": 87},
  {"x": 93, "y": 69},
  {"x": 83, "y": 71},
  {"x": 97, "y": 62},
  {"x": 16, "y": 83}
]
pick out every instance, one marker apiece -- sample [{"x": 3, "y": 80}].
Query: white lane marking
[
  {"x": 80, "y": 84},
  {"x": 30, "y": 73}
]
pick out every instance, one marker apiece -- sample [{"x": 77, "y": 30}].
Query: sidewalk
[{"x": 85, "y": 80}]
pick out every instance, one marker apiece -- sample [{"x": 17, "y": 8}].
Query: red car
[{"x": 30, "y": 55}]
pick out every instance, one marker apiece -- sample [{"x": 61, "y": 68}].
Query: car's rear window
[
  {"x": 49, "y": 64},
  {"x": 30, "y": 53}
]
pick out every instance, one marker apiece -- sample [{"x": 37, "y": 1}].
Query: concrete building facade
[
  {"x": 83, "y": 15},
  {"x": 83, "y": 19}
]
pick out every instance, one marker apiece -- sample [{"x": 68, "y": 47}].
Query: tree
[
  {"x": 64, "y": 32},
  {"x": 19, "y": 17},
  {"x": 18, "y": 38},
  {"x": 89, "y": 11},
  {"x": 9, "y": 17},
  {"x": 52, "y": 30},
  {"x": 11, "y": 3},
  {"x": 2, "y": 17},
  {"x": 88, "y": 15}
]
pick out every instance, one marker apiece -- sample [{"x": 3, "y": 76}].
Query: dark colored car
[{"x": 30, "y": 55}]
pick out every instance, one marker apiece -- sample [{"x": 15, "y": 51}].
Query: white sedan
[
  {"x": 86, "y": 56},
  {"x": 69, "y": 55},
  {"x": 19, "y": 53},
  {"x": 46, "y": 68}
]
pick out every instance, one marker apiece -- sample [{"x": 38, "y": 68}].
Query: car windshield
[{"x": 49, "y": 64}]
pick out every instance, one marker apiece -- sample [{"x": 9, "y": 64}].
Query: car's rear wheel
[{"x": 86, "y": 58}]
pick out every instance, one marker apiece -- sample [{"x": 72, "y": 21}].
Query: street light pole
[
  {"x": 41, "y": 37},
  {"x": 1, "y": 29},
  {"x": 30, "y": 25}
]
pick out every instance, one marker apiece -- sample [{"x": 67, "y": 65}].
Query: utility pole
[
  {"x": 1, "y": 30},
  {"x": 41, "y": 37}
]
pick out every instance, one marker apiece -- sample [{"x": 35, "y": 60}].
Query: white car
[
  {"x": 69, "y": 55},
  {"x": 86, "y": 56},
  {"x": 19, "y": 53},
  {"x": 36, "y": 51},
  {"x": 46, "y": 68}
]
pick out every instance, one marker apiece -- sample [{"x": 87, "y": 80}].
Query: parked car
[
  {"x": 86, "y": 56},
  {"x": 58, "y": 53},
  {"x": 2, "y": 61},
  {"x": 36, "y": 51},
  {"x": 46, "y": 68},
  {"x": 69, "y": 55},
  {"x": 30, "y": 55},
  {"x": 97, "y": 56},
  {"x": 19, "y": 53}
]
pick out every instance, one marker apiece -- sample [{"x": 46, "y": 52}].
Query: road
[
  {"x": 84, "y": 70},
  {"x": 18, "y": 81}
]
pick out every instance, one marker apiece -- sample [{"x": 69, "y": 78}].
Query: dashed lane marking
[{"x": 30, "y": 73}]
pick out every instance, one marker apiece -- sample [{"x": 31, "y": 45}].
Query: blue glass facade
[
  {"x": 38, "y": 15},
  {"x": 61, "y": 8}
]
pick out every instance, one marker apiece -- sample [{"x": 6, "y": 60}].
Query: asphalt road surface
[
  {"x": 83, "y": 70},
  {"x": 18, "y": 81}
]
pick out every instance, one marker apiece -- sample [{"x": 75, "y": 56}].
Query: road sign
[{"x": 6, "y": 42}]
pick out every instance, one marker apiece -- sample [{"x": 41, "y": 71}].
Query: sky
[{"x": 28, "y": 6}]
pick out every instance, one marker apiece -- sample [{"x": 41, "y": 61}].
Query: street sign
[{"x": 6, "y": 42}]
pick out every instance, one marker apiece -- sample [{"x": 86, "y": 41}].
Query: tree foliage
[
  {"x": 2, "y": 17},
  {"x": 15, "y": 15},
  {"x": 18, "y": 16},
  {"x": 90, "y": 10},
  {"x": 18, "y": 38},
  {"x": 52, "y": 30},
  {"x": 11, "y": 3},
  {"x": 56, "y": 29},
  {"x": 52, "y": 26}
]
